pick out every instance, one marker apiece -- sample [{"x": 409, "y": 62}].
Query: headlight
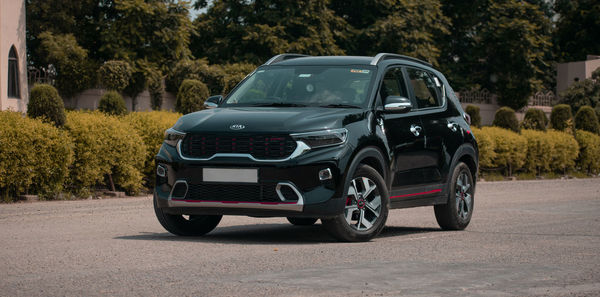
[
  {"x": 172, "y": 136},
  {"x": 322, "y": 138}
]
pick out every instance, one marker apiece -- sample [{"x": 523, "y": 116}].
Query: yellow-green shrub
[
  {"x": 589, "y": 151},
  {"x": 565, "y": 150},
  {"x": 540, "y": 151},
  {"x": 104, "y": 146},
  {"x": 151, "y": 127},
  {"x": 34, "y": 156},
  {"x": 510, "y": 148},
  {"x": 486, "y": 148}
]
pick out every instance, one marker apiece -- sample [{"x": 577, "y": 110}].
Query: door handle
[
  {"x": 453, "y": 126},
  {"x": 416, "y": 130}
]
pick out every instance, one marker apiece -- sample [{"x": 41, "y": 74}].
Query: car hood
[{"x": 267, "y": 119}]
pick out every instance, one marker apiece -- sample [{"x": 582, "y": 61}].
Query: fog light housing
[
  {"x": 161, "y": 171},
  {"x": 325, "y": 174}
]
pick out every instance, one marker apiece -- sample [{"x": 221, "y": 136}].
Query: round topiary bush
[
  {"x": 473, "y": 112},
  {"x": 112, "y": 103},
  {"x": 191, "y": 96},
  {"x": 586, "y": 120},
  {"x": 561, "y": 117},
  {"x": 115, "y": 75},
  {"x": 44, "y": 102},
  {"x": 535, "y": 119},
  {"x": 505, "y": 118}
]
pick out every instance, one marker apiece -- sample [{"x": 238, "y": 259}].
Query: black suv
[{"x": 341, "y": 139}]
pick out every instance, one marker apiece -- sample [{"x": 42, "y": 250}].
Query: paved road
[{"x": 537, "y": 238}]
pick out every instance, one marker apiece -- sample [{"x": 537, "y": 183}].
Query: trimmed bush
[
  {"x": 505, "y": 118},
  {"x": 191, "y": 96},
  {"x": 44, "y": 102},
  {"x": 151, "y": 127},
  {"x": 589, "y": 151},
  {"x": 105, "y": 148},
  {"x": 586, "y": 120},
  {"x": 115, "y": 75},
  {"x": 112, "y": 103},
  {"x": 565, "y": 151},
  {"x": 473, "y": 112},
  {"x": 540, "y": 150},
  {"x": 486, "y": 148},
  {"x": 34, "y": 156},
  {"x": 234, "y": 74},
  {"x": 510, "y": 148},
  {"x": 535, "y": 119},
  {"x": 561, "y": 118},
  {"x": 211, "y": 75}
]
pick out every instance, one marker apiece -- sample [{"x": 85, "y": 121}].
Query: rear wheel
[
  {"x": 367, "y": 204},
  {"x": 456, "y": 214},
  {"x": 302, "y": 221},
  {"x": 193, "y": 225}
]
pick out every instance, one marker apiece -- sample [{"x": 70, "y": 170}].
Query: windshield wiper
[
  {"x": 278, "y": 104},
  {"x": 340, "y": 106}
]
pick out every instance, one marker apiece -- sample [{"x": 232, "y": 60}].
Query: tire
[
  {"x": 302, "y": 221},
  {"x": 370, "y": 218},
  {"x": 457, "y": 213},
  {"x": 196, "y": 225}
]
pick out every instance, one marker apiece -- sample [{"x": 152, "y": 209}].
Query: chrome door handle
[
  {"x": 453, "y": 126},
  {"x": 416, "y": 130}
]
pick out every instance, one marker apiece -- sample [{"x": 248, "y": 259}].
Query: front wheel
[
  {"x": 456, "y": 214},
  {"x": 366, "y": 210},
  {"x": 193, "y": 225}
]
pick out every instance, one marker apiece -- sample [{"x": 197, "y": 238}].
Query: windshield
[{"x": 292, "y": 86}]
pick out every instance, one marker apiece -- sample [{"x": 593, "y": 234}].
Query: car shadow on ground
[{"x": 270, "y": 234}]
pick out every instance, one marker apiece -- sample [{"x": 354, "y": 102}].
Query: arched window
[{"x": 14, "y": 90}]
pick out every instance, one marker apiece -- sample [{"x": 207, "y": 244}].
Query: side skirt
[{"x": 419, "y": 196}]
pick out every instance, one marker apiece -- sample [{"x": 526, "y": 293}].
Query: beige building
[
  {"x": 567, "y": 73},
  {"x": 14, "y": 93}
]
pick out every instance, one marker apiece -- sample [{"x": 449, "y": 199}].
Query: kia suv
[{"x": 340, "y": 139}]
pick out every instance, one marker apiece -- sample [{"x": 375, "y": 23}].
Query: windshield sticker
[
  {"x": 305, "y": 75},
  {"x": 360, "y": 71}
]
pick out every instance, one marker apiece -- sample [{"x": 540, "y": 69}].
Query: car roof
[{"x": 326, "y": 61}]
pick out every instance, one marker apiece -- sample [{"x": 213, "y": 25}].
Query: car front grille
[
  {"x": 266, "y": 147},
  {"x": 233, "y": 193}
]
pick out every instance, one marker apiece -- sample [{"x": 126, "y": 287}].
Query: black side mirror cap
[
  {"x": 397, "y": 104},
  {"x": 213, "y": 101}
]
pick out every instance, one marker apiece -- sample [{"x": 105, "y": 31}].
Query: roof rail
[
  {"x": 283, "y": 57},
  {"x": 383, "y": 56}
]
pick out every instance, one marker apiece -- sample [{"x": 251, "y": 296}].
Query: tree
[
  {"x": 115, "y": 75},
  {"x": 577, "y": 29},
  {"x": 584, "y": 93}
]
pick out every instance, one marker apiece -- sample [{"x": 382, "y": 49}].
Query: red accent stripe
[
  {"x": 235, "y": 202},
  {"x": 417, "y": 194}
]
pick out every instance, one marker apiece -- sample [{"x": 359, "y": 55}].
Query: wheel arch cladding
[
  {"x": 372, "y": 156},
  {"x": 467, "y": 154}
]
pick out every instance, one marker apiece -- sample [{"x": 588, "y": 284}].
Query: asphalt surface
[{"x": 532, "y": 238}]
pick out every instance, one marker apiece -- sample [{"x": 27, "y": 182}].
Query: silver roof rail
[
  {"x": 283, "y": 57},
  {"x": 382, "y": 56}
]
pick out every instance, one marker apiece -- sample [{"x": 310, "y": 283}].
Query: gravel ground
[{"x": 526, "y": 238}]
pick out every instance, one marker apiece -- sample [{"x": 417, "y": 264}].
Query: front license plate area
[{"x": 230, "y": 175}]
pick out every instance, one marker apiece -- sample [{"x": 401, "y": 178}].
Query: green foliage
[
  {"x": 211, "y": 75},
  {"x": 34, "y": 156},
  {"x": 582, "y": 93},
  {"x": 505, "y": 118},
  {"x": 589, "y": 151},
  {"x": 540, "y": 148},
  {"x": 586, "y": 119},
  {"x": 112, "y": 103},
  {"x": 486, "y": 148},
  {"x": 234, "y": 74},
  {"x": 577, "y": 29},
  {"x": 104, "y": 146},
  {"x": 191, "y": 96},
  {"x": 115, "y": 75},
  {"x": 44, "y": 102},
  {"x": 510, "y": 148},
  {"x": 565, "y": 150},
  {"x": 74, "y": 72},
  {"x": 473, "y": 112},
  {"x": 155, "y": 89},
  {"x": 561, "y": 118},
  {"x": 151, "y": 127},
  {"x": 535, "y": 119}
]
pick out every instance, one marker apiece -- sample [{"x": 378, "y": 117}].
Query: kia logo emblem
[{"x": 237, "y": 127}]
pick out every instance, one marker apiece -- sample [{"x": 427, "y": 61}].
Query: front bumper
[{"x": 287, "y": 188}]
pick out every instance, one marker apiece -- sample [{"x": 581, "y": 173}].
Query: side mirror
[
  {"x": 397, "y": 104},
  {"x": 213, "y": 101}
]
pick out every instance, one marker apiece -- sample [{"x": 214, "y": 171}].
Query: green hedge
[
  {"x": 34, "y": 156},
  {"x": 589, "y": 152},
  {"x": 105, "y": 147},
  {"x": 510, "y": 148}
]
